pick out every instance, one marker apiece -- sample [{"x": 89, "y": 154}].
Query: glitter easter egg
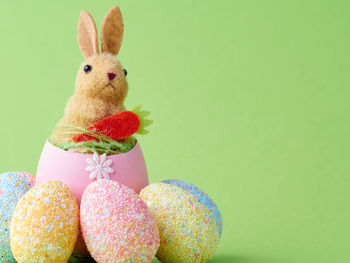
[
  {"x": 13, "y": 185},
  {"x": 116, "y": 224},
  {"x": 187, "y": 228},
  {"x": 202, "y": 198},
  {"x": 44, "y": 225}
]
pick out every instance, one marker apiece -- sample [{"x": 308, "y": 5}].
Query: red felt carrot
[{"x": 117, "y": 126}]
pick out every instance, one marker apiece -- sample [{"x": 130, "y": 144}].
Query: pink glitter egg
[{"x": 116, "y": 224}]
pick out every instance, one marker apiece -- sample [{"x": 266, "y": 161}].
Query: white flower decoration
[{"x": 99, "y": 167}]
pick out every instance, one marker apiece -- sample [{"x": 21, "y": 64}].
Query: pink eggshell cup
[{"x": 71, "y": 168}]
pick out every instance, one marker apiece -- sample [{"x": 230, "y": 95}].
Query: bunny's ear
[
  {"x": 87, "y": 35},
  {"x": 112, "y": 30}
]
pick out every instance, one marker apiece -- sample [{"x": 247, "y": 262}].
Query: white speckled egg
[
  {"x": 13, "y": 185},
  {"x": 44, "y": 225},
  {"x": 117, "y": 225}
]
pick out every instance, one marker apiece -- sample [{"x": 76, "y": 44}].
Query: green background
[{"x": 250, "y": 101}]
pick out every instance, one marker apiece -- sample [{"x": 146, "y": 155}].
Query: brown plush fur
[
  {"x": 111, "y": 25},
  {"x": 95, "y": 96},
  {"x": 87, "y": 35}
]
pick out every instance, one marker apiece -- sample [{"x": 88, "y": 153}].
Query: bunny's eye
[
  {"x": 125, "y": 72},
  {"x": 87, "y": 68}
]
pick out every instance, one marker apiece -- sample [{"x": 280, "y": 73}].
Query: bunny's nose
[{"x": 110, "y": 76}]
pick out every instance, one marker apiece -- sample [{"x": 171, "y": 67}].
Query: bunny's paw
[{"x": 44, "y": 225}]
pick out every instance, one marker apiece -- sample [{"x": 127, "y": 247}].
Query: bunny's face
[{"x": 102, "y": 76}]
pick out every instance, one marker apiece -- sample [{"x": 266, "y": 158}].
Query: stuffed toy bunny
[{"x": 101, "y": 85}]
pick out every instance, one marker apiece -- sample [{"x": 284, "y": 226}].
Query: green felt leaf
[{"x": 142, "y": 114}]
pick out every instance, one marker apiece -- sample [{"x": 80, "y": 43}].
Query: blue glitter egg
[
  {"x": 202, "y": 198},
  {"x": 13, "y": 185}
]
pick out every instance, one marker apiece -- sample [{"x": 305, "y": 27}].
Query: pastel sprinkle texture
[
  {"x": 13, "y": 185},
  {"x": 44, "y": 226},
  {"x": 202, "y": 198},
  {"x": 116, "y": 224},
  {"x": 30, "y": 177},
  {"x": 187, "y": 229}
]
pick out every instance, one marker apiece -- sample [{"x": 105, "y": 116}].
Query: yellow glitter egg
[
  {"x": 44, "y": 225},
  {"x": 187, "y": 229}
]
